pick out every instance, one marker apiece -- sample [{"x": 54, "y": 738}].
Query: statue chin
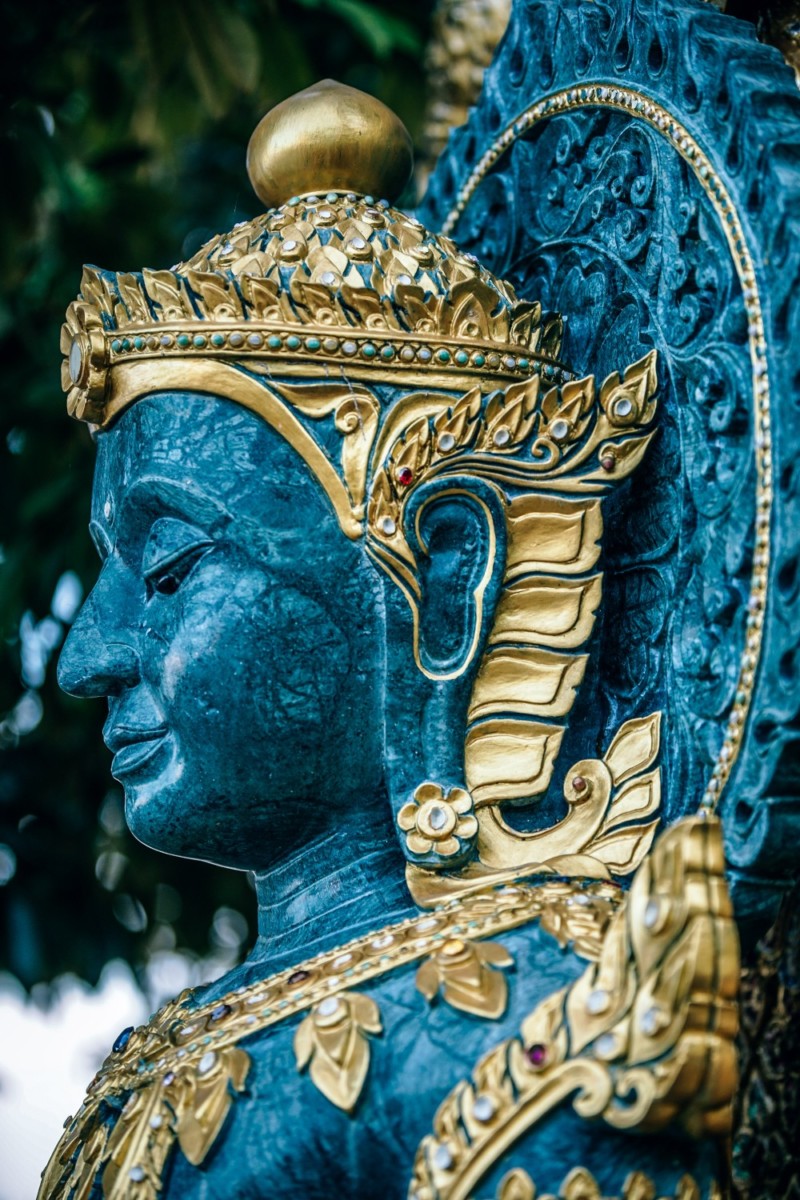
[{"x": 222, "y": 631}]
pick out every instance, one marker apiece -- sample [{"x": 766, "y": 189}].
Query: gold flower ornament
[{"x": 438, "y": 822}]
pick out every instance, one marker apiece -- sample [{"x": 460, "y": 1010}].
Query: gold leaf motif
[
  {"x": 82, "y": 1151},
  {"x": 165, "y": 291},
  {"x": 634, "y": 747},
  {"x": 202, "y": 1108},
  {"x": 516, "y": 1185},
  {"x": 637, "y": 386},
  {"x": 512, "y": 411},
  {"x": 332, "y": 1042},
  {"x": 136, "y": 311},
  {"x": 188, "y": 1104},
  {"x": 637, "y": 799},
  {"x": 461, "y": 420},
  {"x": 468, "y": 975},
  {"x": 623, "y": 850},
  {"x": 580, "y": 1184},
  {"x": 218, "y": 295}
]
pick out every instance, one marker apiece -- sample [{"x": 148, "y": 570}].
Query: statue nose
[{"x": 90, "y": 665}]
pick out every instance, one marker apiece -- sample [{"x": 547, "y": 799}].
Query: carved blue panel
[{"x": 636, "y": 166}]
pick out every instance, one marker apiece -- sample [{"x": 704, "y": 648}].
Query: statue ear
[{"x": 460, "y": 557}]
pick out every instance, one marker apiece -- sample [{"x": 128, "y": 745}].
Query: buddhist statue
[{"x": 368, "y": 525}]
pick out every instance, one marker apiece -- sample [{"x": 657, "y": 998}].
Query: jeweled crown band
[{"x": 322, "y": 283}]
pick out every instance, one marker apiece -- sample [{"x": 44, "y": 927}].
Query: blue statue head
[{"x": 348, "y": 502}]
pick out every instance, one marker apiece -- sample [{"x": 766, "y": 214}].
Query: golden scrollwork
[
  {"x": 642, "y": 1039},
  {"x": 612, "y": 804}
]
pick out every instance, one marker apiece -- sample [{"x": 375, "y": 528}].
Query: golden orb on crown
[{"x": 331, "y": 276}]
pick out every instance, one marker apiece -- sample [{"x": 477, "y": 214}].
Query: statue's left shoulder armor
[{"x": 642, "y": 1040}]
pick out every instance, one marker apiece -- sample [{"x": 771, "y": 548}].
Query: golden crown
[{"x": 326, "y": 280}]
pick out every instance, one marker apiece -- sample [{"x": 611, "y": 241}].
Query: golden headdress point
[{"x": 327, "y": 279}]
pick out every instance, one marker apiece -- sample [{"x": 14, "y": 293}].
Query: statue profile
[{"x": 350, "y": 501}]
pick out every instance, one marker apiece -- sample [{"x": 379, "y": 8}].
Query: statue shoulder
[{"x": 641, "y": 1040}]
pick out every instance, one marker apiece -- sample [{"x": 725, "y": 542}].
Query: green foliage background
[{"x": 124, "y": 129}]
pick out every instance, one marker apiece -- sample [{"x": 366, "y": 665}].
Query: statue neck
[{"x": 334, "y": 889}]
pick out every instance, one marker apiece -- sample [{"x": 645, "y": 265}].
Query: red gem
[
  {"x": 404, "y": 476},
  {"x": 579, "y": 783},
  {"x": 608, "y": 462},
  {"x": 299, "y": 977},
  {"x": 537, "y": 1054}
]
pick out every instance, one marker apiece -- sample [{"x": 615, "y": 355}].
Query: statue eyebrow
[{"x": 159, "y": 497}]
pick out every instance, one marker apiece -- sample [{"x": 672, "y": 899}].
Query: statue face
[{"x": 234, "y": 629}]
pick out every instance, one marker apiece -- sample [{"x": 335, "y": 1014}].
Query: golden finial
[{"x": 329, "y": 137}]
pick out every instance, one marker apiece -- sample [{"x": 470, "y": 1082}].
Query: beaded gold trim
[
  {"x": 181, "y": 1070},
  {"x": 642, "y": 107},
  {"x": 177, "y": 1033}
]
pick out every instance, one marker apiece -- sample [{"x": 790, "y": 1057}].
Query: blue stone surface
[{"x": 265, "y": 710}]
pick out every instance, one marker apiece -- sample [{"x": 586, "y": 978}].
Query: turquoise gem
[
  {"x": 479, "y": 360},
  {"x": 293, "y": 342},
  {"x": 274, "y": 342},
  {"x": 523, "y": 364},
  {"x": 183, "y": 339},
  {"x": 126, "y": 344},
  {"x": 462, "y": 358},
  {"x": 199, "y": 340},
  {"x": 387, "y": 352},
  {"x": 294, "y": 200},
  {"x": 116, "y": 345},
  {"x": 443, "y": 356},
  {"x": 312, "y": 343},
  {"x": 368, "y": 351},
  {"x": 218, "y": 339},
  {"x": 139, "y": 343}
]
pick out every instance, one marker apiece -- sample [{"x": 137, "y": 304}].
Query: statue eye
[{"x": 166, "y": 577}]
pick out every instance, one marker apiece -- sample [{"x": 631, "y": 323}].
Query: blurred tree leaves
[{"x": 123, "y": 133}]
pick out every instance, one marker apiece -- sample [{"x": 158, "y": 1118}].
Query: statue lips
[{"x": 131, "y": 747}]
